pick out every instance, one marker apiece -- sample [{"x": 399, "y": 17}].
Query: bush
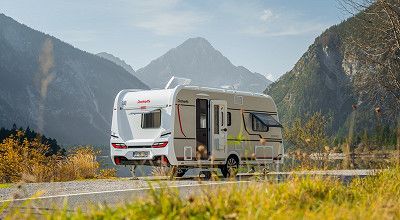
[
  {"x": 23, "y": 160},
  {"x": 310, "y": 135},
  {"x": 107, "y": 173},
  {"x": 31, "y": 135},
  {"x": 80, "y": 164}
]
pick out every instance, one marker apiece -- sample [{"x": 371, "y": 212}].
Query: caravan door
[{"x": 219, "y": 134}]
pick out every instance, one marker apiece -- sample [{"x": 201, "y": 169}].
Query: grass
[
  {"x": 22, "y": 160},
  {"x": 375, "y": 197},
  {"x": 5, "y": 185}
]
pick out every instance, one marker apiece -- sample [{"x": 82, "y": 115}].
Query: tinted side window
[
  {"x": 151, "y": 119},
  {"x": 257, "y": 125},
  {"x": 229, "y": 118},
  {"x": 216, "y": 119}
]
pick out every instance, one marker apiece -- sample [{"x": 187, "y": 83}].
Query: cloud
[
  {"x": 172, "y": 23},
  {"x": 285, "y": 31},
  {"x": 267, "y": 15},
  {"x": 274, "y": 24},
  {"x": 168, "y": 17}
]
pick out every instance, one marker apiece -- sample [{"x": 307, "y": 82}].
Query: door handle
[{"x": 225, "y": 129}]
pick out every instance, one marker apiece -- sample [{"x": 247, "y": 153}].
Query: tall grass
[
  {"x": 375, "y": 197},
  {"x": 26, "y": 161}
]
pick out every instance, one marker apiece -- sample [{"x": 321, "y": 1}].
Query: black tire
[
  {"x": 231, "y": 167},
  {"x": 180, "y": 172}
]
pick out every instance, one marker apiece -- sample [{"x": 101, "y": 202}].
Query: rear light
[
  {"x": 159, "y": 144},
  {"x": 164, "y": 160},
  {"x": 117, "y": 160},
  {"x": 119, "y": 146}
]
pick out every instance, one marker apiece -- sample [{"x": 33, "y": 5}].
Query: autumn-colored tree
[
  {"x": 20, "y": 158},
  {"x": 310, "y": 135}
]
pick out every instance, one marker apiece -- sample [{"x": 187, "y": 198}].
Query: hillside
[
  {"x": 198, "y": 60},
  {"x": 316, "y": 83},
  {"x": 56, "y": 89},
  {"x": 117, "y": 61},
  {"x": 324, "y": 80}
]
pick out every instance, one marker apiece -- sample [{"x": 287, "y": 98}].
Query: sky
[{"x": 267, "y": 36}]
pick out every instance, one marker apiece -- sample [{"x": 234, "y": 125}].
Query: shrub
[
  {"x": 80, "y": 164},
  {"x": 310, "y": 135},
  {"x": 23, "y": 160},
  {"x": 107, "y": 173}
]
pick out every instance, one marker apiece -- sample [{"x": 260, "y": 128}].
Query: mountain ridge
[
  {"x": 323, "y": 80},
  {"x": 198, "y": 60},
  {"x": 55, "y": 88},
  {"x": 117, "y": 61}
]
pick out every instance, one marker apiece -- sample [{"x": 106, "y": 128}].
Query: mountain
[
  {"x": 316, "y": 83},
  {"x": 324, "y": 80},
  {"x": 117, "y": 61},
  {"x": 199, "y": 61},
  {"x": 56, "y": 89}
]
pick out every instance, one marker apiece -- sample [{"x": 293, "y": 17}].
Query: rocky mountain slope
[
  {"x": 323, "y": 80},
  {"x": 198, "y": 60},
  {"x": 56, "y": 89},
  {"x": 117, "y": 61}
]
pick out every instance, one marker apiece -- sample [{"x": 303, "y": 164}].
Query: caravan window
[
  {"x": 151, "y": 119},
  {"x": 258, "y": 126},
  {"x": 262, "y": 122},
  {"x": 229, "y": 118},
  {"x": 216, "y": 119}
]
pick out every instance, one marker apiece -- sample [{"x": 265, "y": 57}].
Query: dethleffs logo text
[{"x": 143, "y": 101}]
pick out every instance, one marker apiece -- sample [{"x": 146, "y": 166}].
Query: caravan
[{"x": 185, "y": 127}]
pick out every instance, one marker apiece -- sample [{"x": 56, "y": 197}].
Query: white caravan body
[{"x": 191, "y": 126}]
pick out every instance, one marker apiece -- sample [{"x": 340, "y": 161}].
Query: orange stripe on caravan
[{"x": 179, "y": 119}]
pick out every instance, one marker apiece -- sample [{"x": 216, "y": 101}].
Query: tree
[
  {"x": 379, "y": 46},
  {"x": 375, "y": 40},
  {"x": 31, "y": 135},
  {"x": 310, "y": 136}
]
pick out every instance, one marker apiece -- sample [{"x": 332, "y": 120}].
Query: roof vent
[{"x": 176, "y": 81}]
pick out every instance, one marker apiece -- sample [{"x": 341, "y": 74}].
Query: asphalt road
[
  {"x": 116, "y": 191},
  {"x": 86, "y": 199}
]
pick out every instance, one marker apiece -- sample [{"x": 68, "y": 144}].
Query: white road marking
[{"x": 123, "y": 190}]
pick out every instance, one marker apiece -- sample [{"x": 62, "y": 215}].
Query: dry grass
[
  {"x": 375, "y": 197},
  {"x": 80, "y": 164},
  {"x": 21, "y": 160},
  {"x": 5, "y": 185},
  {"x": 107, "y": 173}
]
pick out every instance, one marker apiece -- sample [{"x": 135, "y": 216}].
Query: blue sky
[{"x": 264, "y": 36}]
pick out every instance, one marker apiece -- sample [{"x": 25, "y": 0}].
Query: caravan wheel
[{"x": 231, "y": 167}]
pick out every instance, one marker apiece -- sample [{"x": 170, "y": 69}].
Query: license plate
[{"x": 141, "y": 154}]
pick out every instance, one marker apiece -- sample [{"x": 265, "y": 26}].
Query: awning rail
[{"x": 144, "y": 109}]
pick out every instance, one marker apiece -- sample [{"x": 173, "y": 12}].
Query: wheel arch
[{"x": 233, "y": 154}]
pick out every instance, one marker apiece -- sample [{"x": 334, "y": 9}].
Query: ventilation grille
[{"x": 187, "y": 153}]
